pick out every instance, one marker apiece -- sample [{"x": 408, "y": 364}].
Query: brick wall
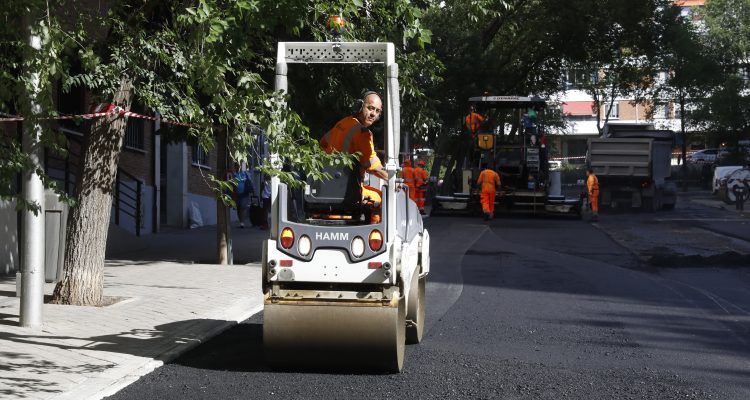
[
  {"x": 139, "y": 162},
  {"x": 628, "y": 111},
  {"x": 198, "y": 181}
]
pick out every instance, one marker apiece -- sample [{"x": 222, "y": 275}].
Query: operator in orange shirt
[
  {"x": 421, "y": 184},
  {"x": 473, "y": 121},
  {"x": 592, "y": 184},
  {"x": 351, "y": 135},
  {"x": 489, "y": 181}
]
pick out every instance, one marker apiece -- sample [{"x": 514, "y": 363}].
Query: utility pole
[{"x": 32, "y": 240}]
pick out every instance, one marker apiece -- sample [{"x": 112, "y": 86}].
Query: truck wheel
[
  {"x": 724, "y": 195},
  {"x": 415, "y": 310},
  {"x": 649, "y": 204}
]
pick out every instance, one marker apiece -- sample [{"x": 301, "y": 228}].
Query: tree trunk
[
  {"x": 82, "y": 280},
  {"x": 222, "y": 214}
]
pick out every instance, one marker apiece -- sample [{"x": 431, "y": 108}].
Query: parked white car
[
  {"x": 722, "y": 173},
  {"x": 705, "y": 155}
]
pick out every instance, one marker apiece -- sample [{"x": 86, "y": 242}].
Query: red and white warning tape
[
  {"x": 675, "y": 154},
  {"x": 109, "y": 110}
]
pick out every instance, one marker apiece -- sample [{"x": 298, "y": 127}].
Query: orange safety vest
[
  {"x": 592, "y": 182},
  {"x": 348, "y": 135},
  {"x": 474, "y": 121},
  {"x": 408, "y": 174},
  {"x": 410, "y": 179},
  {"x": 489, "y": 180},
  {"x": 421, "y": 176}
]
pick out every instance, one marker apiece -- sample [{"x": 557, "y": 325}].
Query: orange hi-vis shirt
[
  {"x": 348, "y": 135},
  {"x": 421, "y": 176},
  {"x": 474, "y": 121},
  {"x": 592, "y": 182},
  {"x": 489, "y": 180},
  {"x": 408, "y": 174}
]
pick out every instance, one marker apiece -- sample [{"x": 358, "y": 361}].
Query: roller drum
[{"x": 338, "y": 335}]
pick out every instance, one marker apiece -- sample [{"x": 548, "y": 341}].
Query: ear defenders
[{"x": 359, "y": 104}]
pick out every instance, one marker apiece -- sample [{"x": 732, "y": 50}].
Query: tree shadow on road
[{"x": 87, "y": 355}]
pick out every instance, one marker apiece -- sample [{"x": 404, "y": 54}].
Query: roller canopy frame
[{"x": 348, "y": 53}]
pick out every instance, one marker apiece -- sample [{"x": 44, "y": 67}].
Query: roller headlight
[
  {"x": 304, "y": 245},
  {"x": 358, "y": 247}
]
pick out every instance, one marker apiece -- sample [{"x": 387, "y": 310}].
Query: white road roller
[{"x": 344, "y": 292}]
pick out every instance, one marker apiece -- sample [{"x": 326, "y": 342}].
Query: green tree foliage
[
  {"x": 519, "y": 47},
  {"x": 686, "y": 68},
  {"x": 18, "y": 90},
  {"x": 728, "y": 25},
  {"x": 615, "y": 42},
  {"x": 321, "y": 94},
  {"x": 726, "y": 111},
  {"x": 208, "y": 63}
]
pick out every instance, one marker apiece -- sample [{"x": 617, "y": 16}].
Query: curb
[{"x": 109, "y": 386}]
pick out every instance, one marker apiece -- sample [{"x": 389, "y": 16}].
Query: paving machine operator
[{"x": 352, "y": 135}]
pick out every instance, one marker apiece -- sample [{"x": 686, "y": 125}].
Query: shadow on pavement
[
  {"x": 197, "y": 246},
  {"x": 240, "y": 349},
  {"x": 163, "y": 342}
]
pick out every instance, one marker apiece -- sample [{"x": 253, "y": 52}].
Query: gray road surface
[{"x": 537, "y": 308}]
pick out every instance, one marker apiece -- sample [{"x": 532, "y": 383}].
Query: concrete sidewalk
[{"x": 165, "y": 308}]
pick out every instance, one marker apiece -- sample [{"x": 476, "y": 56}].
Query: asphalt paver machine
[
  {"x": 517, "y": 152},
  {"x": 344, "y": 292}
]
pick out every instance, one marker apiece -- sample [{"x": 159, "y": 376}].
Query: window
[
  {"x": 200, "y": 156},
  {"x": 662, "y": 77},
  {"x": 554, "y": 112},
  {"x": 70, "y": 103},
  {"x": 615, "y": 113},
  {"x": 134, "y": 134},
  {"x": 575, "y": 78},
  {"x": 661, "y": 111}
]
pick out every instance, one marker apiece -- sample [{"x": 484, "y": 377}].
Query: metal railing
[
  {"x": 67, "y": 165},
  {"x": 127, "y": 199},
  {"x": 128, "y": 193}
]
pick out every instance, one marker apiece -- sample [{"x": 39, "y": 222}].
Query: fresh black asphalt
[{"x": 519, "y": 308}]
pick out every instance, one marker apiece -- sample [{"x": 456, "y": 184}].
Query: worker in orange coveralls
[
  {"x": 410, "y": 179},
  {"x": 421, "y": 184},
  {"x": 351, "y": 134},
  {"x": 592, "y": 183},
  {"x": 489, "y": 181}
]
